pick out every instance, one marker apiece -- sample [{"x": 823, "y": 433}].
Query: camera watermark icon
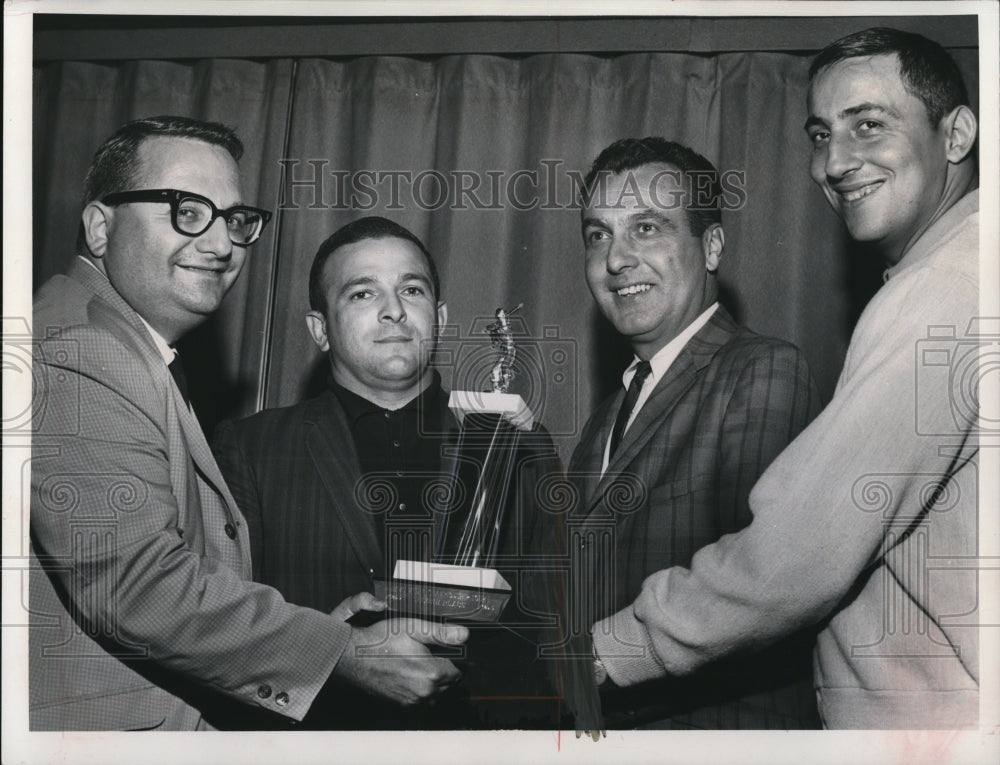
[
  {"x": 952, "y": 366},
  {"x": 546, "y": 369},
  {"x": 46, "y": 364}
]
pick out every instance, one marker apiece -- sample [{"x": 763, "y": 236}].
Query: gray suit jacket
[
  {"x": 143, "y": 614},
  {"x": 726, "y": 407}
]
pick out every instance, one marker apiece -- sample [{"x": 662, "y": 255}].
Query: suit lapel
[
  {"x": 198, "y": 447},
  {"x": 679, "y": 377},
  {"x": 585, "y": 466},
  {"x": 185, "y": 437},
  {"x": 331, "y": 449},
  {"x": 122, "y": 319}
]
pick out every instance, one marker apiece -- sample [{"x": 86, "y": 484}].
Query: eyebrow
[
  {"x": 649, "y": 212},
  {"x": 367, "y": 281},
  {"x": 852, "y": 111},
  {"x": 414, "y": 277},
  {"x": 357, "y": 281}
]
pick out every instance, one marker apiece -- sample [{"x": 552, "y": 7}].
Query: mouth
[
  {"x": 854, "y": 194},
  {"x": 395, "y": 339},
  {"x": 216, "y": 270},
  {"x": 633, "y": 289}
]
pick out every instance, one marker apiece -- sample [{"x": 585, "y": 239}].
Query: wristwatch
[{"x": 600, "y": 671}]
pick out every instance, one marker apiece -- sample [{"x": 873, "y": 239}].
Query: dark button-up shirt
[{"x": 399, "y": 453}]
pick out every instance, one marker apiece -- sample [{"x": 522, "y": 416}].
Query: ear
[
  {"x": 96, "y": 219},
  {"x": 442, "y": 314},
  {"x": 316, "y": 324},
  {"x": 960, "y": 127},
  {"x": 713, "y": 241}
]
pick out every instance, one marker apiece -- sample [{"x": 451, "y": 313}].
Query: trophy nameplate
[
  {"x": 445, "y": 591},
  {"x": 461, "y": 583}
]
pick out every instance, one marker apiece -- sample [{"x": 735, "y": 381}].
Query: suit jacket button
[
  {"x": 281, "y": 699},
  {"x": 264, "y": 691},
  {"x": 230, "y": 531}
]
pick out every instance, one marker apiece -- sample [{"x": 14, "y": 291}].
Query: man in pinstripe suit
[
  {"x": 710, "y": 404},
  {"x": 143, "y": 614}
]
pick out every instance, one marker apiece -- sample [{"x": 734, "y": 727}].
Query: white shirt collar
[
  {"x": 162, "y": 345},
  {"x": 659, "y": 363},
  {"x": 663, "y": 358},
  {"x": 166, "y": 351}
]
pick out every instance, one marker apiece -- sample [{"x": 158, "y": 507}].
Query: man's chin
[
  {"x": 401, "y": 372},
  {"x": 201, "y": 295},
  {"x": 203, "y": 308},
  {"x": 864, "y": 229}
]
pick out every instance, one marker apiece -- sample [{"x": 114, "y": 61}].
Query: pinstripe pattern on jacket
[{"x": 726, "y": 407}]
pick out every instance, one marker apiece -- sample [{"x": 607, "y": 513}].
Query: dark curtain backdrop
[{"x": 788, "y": 268}]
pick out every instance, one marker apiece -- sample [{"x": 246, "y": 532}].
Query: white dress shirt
[{"x": 659, "y": 363}]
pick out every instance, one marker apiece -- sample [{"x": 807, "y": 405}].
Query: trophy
[{"x": 460, "y": 582}]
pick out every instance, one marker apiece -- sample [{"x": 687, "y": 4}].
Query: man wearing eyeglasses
[{"x": 143, "y": 614}]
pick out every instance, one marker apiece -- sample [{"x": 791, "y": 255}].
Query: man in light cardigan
[{"x": 862, "y": 524}]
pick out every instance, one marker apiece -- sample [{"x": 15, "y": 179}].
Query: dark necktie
[
  {"x": 631, "y": 396},
  {"x": 176, "y": 368}
]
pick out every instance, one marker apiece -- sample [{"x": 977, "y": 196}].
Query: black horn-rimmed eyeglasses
[{"x": 192, "y": 214}]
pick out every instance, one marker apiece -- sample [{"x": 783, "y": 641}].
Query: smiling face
[
  {"x": 878, "y": 159},
  {"x": 173, "y": 281},
  {"x": 648, "y": 273},
  {"x": 381, "y": 321}
]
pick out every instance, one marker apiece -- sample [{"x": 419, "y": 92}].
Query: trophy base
[{"x": 440, "y": 591}]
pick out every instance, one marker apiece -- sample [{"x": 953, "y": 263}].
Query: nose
[
  {"x": 620, "y": 256},
  {"x": 841, "y": 156},
  {"x": 216, "y": 241},
  {"x": 392, "y": 309}
]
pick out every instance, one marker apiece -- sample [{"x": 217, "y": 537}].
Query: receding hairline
[{"x": 145, "y": 148}]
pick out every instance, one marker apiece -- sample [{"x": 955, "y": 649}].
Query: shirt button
[
  {"x": 281, "y": 699},
  {"x": 396, "y": 444},
  {"x": 399, "y": 474},
  {"x": 264, "y": 691},
  {"x": 387, "y": 415},
  {"x": 402, "y": 505},
  {"x": 230, "y": 531}
]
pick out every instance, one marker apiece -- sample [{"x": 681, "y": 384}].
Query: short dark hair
[
  {"x": 631, "y": 153},
  {"x": 371, "y": 227},
  {"x": 115, "y": 165},
  {"x": 927, "y": 70}
]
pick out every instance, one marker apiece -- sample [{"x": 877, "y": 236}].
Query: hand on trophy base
[{"x": 392, "y": 658}]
